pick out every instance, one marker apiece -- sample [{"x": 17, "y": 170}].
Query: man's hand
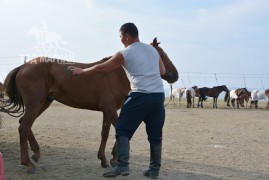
[{"x": 75, "y": 70}]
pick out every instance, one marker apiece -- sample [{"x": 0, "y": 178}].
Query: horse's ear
[{"x": 155, "y": 42}]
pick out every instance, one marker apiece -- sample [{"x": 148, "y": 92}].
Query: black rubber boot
[
  {"x": 155, "y": 161},
  {"x": 122, "y": 167}
]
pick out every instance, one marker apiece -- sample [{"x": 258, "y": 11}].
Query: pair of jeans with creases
[{"x": 142, "y": 107}]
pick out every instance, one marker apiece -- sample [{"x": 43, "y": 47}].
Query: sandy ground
[{"x": 202, "y": 144}]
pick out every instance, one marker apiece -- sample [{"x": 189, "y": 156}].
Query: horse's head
[
  {"x": 241, "y": 91},
  {"x": 196, "y": 90},
  {"x": 224, "y": 88},
  {"x": 171, "y": 74}
]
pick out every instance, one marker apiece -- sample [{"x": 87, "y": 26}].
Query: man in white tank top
[{"x": 144, "y": 67}]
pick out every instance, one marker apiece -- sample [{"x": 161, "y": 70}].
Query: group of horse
[{"x": 238, "y": 97}]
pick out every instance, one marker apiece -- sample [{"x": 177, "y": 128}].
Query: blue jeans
[{"x": 138, "y": 107}]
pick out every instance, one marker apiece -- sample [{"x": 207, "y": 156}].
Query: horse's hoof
[
  {"x": 113, "y": 163},
  {"x": 105, "y": 164},
  {"x": 31, "y": 170},
  {"x": 35, "y": 158}
]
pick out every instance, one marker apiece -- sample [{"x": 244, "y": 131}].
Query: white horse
[
  {"x": 176, "y": 93},
  {"x": 257, "y": 95},
  {"x": 190, "y": 95}
]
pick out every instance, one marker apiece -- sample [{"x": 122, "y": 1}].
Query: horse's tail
[
  {"x": 15, "y": 104},
  {"x": 226, "y": 96},
  {"x": 188, "y": 96}
]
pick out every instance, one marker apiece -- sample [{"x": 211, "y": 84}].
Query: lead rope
[{"x": 170, "y": 96}]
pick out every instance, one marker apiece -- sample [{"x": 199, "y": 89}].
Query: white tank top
[{"x": 141, "y": 63}]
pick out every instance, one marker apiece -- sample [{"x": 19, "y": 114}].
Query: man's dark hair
[{"x": 129, "y": 28}]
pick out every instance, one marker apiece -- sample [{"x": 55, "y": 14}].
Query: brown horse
[
  {"x": 37, "y": 83},
  {"x": 235, "y": 95},
  {"x": 244, "y": 98},
  {"x": 210, "y": 92}
]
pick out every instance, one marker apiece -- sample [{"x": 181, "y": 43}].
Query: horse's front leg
[
  {"x": 193, "y": 102},
  {"x": 114, "y": 160},
  {"x": 215, "y": 103},
  {"x": 237, "y": 103},
  {"x": 104, "y": 136},
  {"x": 232, "y": 102},
  {"x": 267, "y": 107},
  {"x": 109, "y": 116}
]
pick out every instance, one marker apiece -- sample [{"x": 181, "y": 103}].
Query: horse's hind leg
[
  {"x": 32, "y": 140},
  {"x": 228, "y": 101},
  {"x": 31, "y": 113},
  {"x": 34, "y": 145}
]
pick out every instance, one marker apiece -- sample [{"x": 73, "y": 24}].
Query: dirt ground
[{"x": 200, "y": 144}]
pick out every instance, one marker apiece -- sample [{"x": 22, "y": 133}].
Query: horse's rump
[{"x": 188, "y": 96}]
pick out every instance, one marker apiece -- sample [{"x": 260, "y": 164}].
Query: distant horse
[
  {"x": 211, "y": 92},
  {"x": 257, "y": 95},
  {"x": 190, "y": 95},
  {"x": 235, "y": 95},
  {"x": 244, "y": 98},
  {"x": 177, "y": 93},
  {"x": 33, "y": 86}
]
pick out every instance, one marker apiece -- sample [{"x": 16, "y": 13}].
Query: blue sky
[{"x": 211, "y": 42}]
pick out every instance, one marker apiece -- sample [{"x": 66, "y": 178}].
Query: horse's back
[
  {"x": 189, "y": 91},
  {"x": 259, "y": 95},
  {"x": 177, "y": 92},
  {"x": 51, "y": 78},
  {"x": 233, "y": 94}
]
